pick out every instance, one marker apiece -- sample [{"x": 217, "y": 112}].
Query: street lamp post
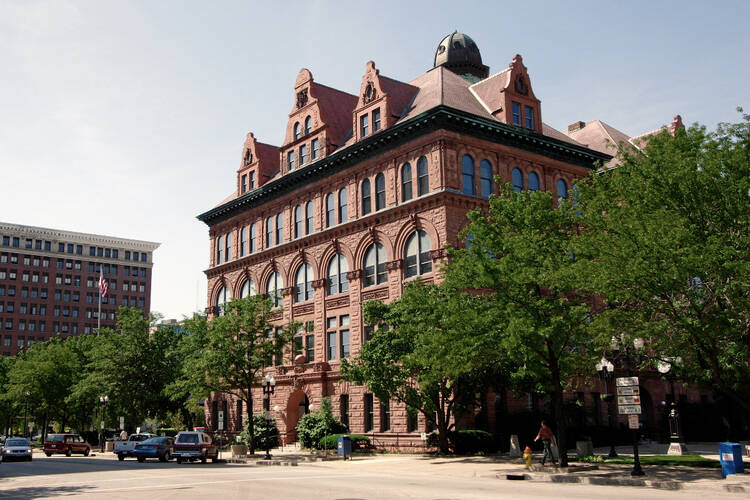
[
  {"x": 676, "y": 446},
  {"x": 103, "y": 402},
  {"x": 637, "y": 346},
  {"x": 26, "y": 416},
  {"x": 606, "y": 371},
  {"x": 269, "y": 385}
]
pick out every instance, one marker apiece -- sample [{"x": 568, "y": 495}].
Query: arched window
[
  {"x": 280, "y": 229},
  {"x": 343, "y": 206},
  {"x": 469, "y": 240},
  {"x": 485, "y": 179},
  {"x": 406, "y": 182},
  {"x": 297, "y": 221},
  {"x": 228, "y": 247},
  {"x": 308, "y": 125},
  {"x": 273, "y": 288},
  {"x": 562, "y": 188},
  {"x": 330, "y": 210},
  {"x": 253, "y": 238},
  {"x": 221, "y": 300},
  {"x": 303, "y": 289},
  {"x": 219, "y": 249},
  {"x": 309, "y": 218},
  {"x": 248, "y": 289},
  {"x": 243, "y": 240},
  {"x": 375, "y": 272},
  {"x": 269, "y": 232},
  {"x": 517, "y": 179},
  {"x": 379, "y": 192},
  {"x": 423, "y": 179},
  {"x": 337, "y": 269},
  {"x": 533, "y": 181},
  {"x": 297, "y": 131},
  {"x": 467, "y": 170},
  {"x": 366, "y": 197},
  {"x": 417, "y": 254}
]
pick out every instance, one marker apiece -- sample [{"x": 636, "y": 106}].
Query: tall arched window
[
  {"x": 221, "y": 300},
  {"x": 375, "y": 272},
  {"x": 423, "y": 179},
  {"x": 337, "y": 269},
  {"x": 417, "y": 254},
  {"x": 343, "y": 206},
  {"x": 280, "y": 229},
  {"x": 366, "y": 197},
  {"x": 297, "y": 131},
  {"x": 309, "y": 218},
  {"x": 269, "y": 232},
  {"x": 533, "y": 181},
  {"x": 330, "y": 210},
  {"x": 228, "y": 247},
  {"x": 303, "y": 289},
  {"x": 467, "y": 175},
  {"x": 243, "y": 240},
  {"x": 273, "y": 288},
  {"x": 248, "y": 289},
  {"x": 406, "y": 182},
  {"x": 485, "y": 179},
  {"x": 253, "y": 239},
  {"x": 379, "y": 192},
  {"x": 517, "y": 179},
  {"x": 297, "y": 221},
  {"x": 562, "y": 188},
  {"x": 219, "y": 249},
  {"x": 308, "y": 125}
]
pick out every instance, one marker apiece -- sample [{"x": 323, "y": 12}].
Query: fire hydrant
[{"x": 527, "y": 456}]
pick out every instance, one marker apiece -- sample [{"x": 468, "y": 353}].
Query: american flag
[{"x": 103, "y": 288}]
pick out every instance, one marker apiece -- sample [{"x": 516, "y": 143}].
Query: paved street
[{"x": 382, "y": 477}]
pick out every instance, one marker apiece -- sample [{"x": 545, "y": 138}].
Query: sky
[{"x": 127, "y": 118}]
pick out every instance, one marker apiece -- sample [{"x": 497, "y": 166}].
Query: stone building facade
[{"x": 362, "y": 196}]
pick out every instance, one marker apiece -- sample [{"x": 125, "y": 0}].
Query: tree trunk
[
  {"x": 250, "y": 424},
  {"x": 557, "y": 405}
]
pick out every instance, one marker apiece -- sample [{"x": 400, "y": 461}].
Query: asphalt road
[{"x": 387, "y": 477}]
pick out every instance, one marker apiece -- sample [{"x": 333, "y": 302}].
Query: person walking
[
  {"x": 123, "y": 435},
  {"x": 547, "y": 437}
]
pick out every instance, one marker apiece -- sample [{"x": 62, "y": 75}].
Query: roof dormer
[{"x": 259, "y": 163}]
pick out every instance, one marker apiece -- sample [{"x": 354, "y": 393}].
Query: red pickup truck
[{"x": 194, "y": 445}]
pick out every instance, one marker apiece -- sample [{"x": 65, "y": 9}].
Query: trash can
[
  {"x": 345, "y": 446},
  {"x": 730, "y": 456},
  {"x": 109, "y": 445}
]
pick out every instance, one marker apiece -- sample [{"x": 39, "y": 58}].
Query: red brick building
[
  {"x": 49, "y": 282},
  {"x": 362, "y": 196}
]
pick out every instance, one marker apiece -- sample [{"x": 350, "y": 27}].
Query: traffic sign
[
  {"x": 623, "y": 381},
  {"x": 633, "y": 422},
  {"x": 122, "y": 423},
  {"x": 628, "y": 390},
  {"x": 221, "y": 420},
  {"x": 628, "y": 400},
  {"x": 629, "y": 409}
]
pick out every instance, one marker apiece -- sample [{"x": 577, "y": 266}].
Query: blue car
[{"x": 157, "y": 447}]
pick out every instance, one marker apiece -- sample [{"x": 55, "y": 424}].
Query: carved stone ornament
[
  {"x": 276, "y": 315},
  {"x": 303, "y": 309},
  {"x": 370, "y": 93},
  {"x": 354, "y": 275},
  {"x": 521, "y": 87},
  {"x": 437, "y": 254},
  {"x": 301, "y": 98},
  {"x": 394, "y": 264},
  {"x": 319, "y": 283},
  {"x": 287, "y": 291},
  {"x": 337, "y": 302},
  {"x": 381, "y": 293}
]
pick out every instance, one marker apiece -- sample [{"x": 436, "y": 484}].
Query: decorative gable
[
  {"x": 520, "y": 105},
  {"x": 258, "y": 165}
]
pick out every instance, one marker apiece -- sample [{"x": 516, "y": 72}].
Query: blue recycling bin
[
  {"x": 345, "y": 446},
  {"x": 730, "y": 456}
]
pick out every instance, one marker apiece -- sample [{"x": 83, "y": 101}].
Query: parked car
[
  {"x": 157, "y": 447},
  {"x": 125, "y": 448},
  {"x": 192, "y": 446},
  {"x": 67, "y": 444},
  {"x": 16, "y": 449}
]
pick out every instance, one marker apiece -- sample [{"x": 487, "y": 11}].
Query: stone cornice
[{"x": 75, "y": 237}]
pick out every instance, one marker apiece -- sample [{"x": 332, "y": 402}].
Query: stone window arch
[
  {"x": 248, "y": 289},
  {"x": 374, "y": 268},
  {"x": 379, "y": 191},
  {"x": 308, "y": 125},
  {"x": 533, "y": 181},
  {"x": 366, "y": 197},
  {"x": 406, "y": 191},
  {"x": 467, "y": 175},
  {"x": 517, "y": 180},
  {"x": 273, "y": 288},
  {"x": 303, "y": 289},
  {"x": 297, "y": 131},
  {"x": 423, "y": 176},
  {"x": 222, "y": 299},
  {"x": 417, "y": 254},
  {"x": 485, "y": 179},
  {"x": 343, "y": 206},
  {"x": 337, "y": 280}
]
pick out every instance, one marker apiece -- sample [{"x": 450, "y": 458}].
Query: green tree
[
  {"x": 666, "y": 241},
  {"x": 431, "y": 343},
  {"x": 520, "y": 263},
  {"x": 7, "y": 406},
  {"x": 313, "y": 426},
  {"x": 238, "y": 345}
]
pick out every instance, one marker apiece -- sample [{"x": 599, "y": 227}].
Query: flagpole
[{"x": 99, "y": 315}]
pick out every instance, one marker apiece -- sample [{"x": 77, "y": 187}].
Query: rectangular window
[
  {"x": 344, "y": 336},
  {"x": 28, "y": 243},
  {"x": 369, "y": 413},
  {"x": 344, "y": 409},
  {"x": 127, "y": 254},
  {"x": 516, "y": 114},
  {"x": 315, "y": 148},
  {"x": 115, "y": 254},
  {"x": 331, "y": 345},
  {"x": 92, "y": 251},
  {"x": 302, "y": 155},
  {"x": 376, "y": 119},
  {"x": 252, "y": 180},
  {"x": 243, "y": 188},
  {"x": 16, "y": 243},
  {"x": 79, "y": 250},
  {"x": 411, "y": 420},
  {"x": 385, "y": 416},
  {"x": 310, "y": 348},
  {"x": 364, "y": 125},
  {"x": 290, "y": 160},
  {"x": 6, "y": 241},
  {"x": 529, "y": 117}
]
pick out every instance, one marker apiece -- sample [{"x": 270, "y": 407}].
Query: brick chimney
[{"x": 576, "y": 126}]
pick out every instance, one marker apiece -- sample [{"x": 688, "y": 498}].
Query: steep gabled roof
[
  {"x": 336, "y": 108},
  {"x": 601, "y": 137},
  {"x": 556, "y": 134},
  {"x": 489, "y": 90},
  {"x": 400, "y": 94}
]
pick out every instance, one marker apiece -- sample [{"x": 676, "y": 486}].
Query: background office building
[{"x": 49, "y": 282}]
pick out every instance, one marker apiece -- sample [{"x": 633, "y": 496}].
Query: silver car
[{"x": 17, "y": 449}]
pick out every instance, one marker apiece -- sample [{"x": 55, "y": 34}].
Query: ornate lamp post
[
  {"x": 676, "y": 446},
  {"x": 269, "y": 385},
  {"x": 26, "y": 416},
  {"x": 103, "y": 402},
  {"x": 606, "y": 371}
]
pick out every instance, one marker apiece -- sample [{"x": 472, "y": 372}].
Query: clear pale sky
[{"x": 127, "y": 118}]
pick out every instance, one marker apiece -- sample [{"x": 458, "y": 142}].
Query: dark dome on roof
[{"x": 458, "y": 53}]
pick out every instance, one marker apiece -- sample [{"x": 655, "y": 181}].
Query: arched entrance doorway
[{"x": 297, "y": 405}]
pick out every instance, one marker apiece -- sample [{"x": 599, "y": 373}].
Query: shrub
[
  {"x": 359, "y": 442},
  {"x": 467, "y": 441},
  {"x": 266, "y": 434},
  {"x": 314, "y": 426},
  {"x": 591, "y": 459}
]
